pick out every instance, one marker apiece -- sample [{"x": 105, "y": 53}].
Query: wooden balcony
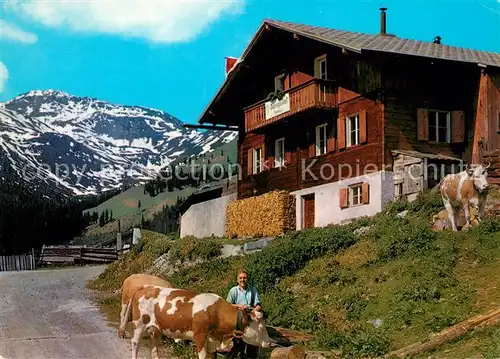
[{"x": 312, "y": 94}]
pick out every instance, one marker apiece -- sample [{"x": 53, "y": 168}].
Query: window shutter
[
  {"x": 250, "y": 161},
  {"x": 362, "y": 127},
  {"x": 330, "y": 145},
  {"x": 341, "y": 133},
  {"x": 423, "y": 124},
  {"x": 312, "y": 150},
  {"x": 457, "y": 126},
  {"x": 269, "y": 163},
  {"x": 365, "y": 193},
  {"x": 343, "y": 197}
]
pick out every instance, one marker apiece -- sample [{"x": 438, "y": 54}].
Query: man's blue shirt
[{"x": 237, "y": 295}]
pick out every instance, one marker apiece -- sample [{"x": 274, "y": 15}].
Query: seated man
[{"x": 244, "y": 297}]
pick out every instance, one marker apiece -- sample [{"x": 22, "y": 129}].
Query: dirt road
[{"x": 48, "y": 314}]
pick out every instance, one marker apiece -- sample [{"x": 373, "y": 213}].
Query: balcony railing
[{"x": 314, "y": 93}]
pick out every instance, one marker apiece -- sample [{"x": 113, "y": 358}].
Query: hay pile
[{"x": 270, "y": 214}]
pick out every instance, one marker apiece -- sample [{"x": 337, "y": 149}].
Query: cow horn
[{"x": 488, "y": 166}]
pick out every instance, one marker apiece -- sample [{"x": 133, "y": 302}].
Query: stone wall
[{"x": 206, "y": 218}]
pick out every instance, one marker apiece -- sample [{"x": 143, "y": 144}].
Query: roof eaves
[
  {"x": 257, "y": 34},
  {"x": 233, "y": 71}
]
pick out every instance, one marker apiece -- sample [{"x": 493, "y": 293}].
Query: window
[
  {"x": 257, "y": 160},
  {"x": 398, "y": 190},
  {"x": 439, "y": 126},
  {"x": 352, "y": 130},
  {"x": 320, "y": 68},
  {"x": 279, "y": 82},
  {"x": 321, "y": 140},
  {"x": 356, "y": 195},
  {"x": 279, "y": 152}
]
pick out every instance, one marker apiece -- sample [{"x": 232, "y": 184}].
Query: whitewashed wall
[
  {"x": 327, "y": 202},
  {"x": 206, "y": 218}
]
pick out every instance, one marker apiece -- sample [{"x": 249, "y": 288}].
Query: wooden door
[{"x": 308, "y": 213}]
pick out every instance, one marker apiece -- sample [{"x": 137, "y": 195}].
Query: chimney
[
  {"x": 383, "y": 23},
  {"x": 230, "y": 62}
]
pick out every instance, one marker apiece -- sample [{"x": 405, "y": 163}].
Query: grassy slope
[
  {"x": 335, "y": 285},
  {"x": 125, "y": 204}
]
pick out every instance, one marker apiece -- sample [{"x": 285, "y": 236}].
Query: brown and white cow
[
  {"x": 465, "y": 189},
  {"x": 131, "y": 285},
  {"x": 204, "y": 318}
]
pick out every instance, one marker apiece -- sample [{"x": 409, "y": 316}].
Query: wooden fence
[
  {"x": 21, "y": 262},
  {"x": 76, "y": 255}
]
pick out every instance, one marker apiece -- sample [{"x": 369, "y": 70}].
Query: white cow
[{"x": 465, "y": 189}]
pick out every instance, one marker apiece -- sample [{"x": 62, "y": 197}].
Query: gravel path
[{"x": 48, "y": 314}]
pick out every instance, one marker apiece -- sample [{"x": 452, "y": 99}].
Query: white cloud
[
  {"x": 4, "y": 75},
  {"x": 159, "y": 21},
  {"x": 10, "y": 31}
]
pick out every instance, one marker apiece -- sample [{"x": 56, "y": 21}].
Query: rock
[
  {"x": 376, "y": 322},
  {"x": 402, "y": 214},
  {"x": 292, "y": 352},
  {"x": 362, "y": 230},
  {"x": 250, "y": 246},
  {"x": 441, "y": 221}
]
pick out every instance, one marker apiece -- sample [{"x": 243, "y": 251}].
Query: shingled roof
[{"x": 375, "y": 42}]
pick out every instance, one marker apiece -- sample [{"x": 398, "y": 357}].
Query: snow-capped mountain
[{"x": 83, "y": 145}]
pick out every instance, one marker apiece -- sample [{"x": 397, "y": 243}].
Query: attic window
[
  {"x": 320, "y": 68},
  {"x": 279, "y": 82}
]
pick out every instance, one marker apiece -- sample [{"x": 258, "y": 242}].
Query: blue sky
[{"x": 169, "y": 54}]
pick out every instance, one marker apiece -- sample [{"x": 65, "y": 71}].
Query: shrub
[
  {"x": 397, "y": 237},
  {"x": 427, "y": 203},
  {"x": 191, "y": 248},
  {"x": 357, "y": 343}
]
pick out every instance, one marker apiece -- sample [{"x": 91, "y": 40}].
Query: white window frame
[
  {"x": 279, "y": 156},
  {"x": 321, "y": 148},
  {"x": 435, "y": 120},
  {"x": 359, "y": 195},
  {"x": 317, "y": 62},
  {"x": 355, "y": 129},
  {"x": 279, "y": 82},
  {"x": 257, "y": 163}
]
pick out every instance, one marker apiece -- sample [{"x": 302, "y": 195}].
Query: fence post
[
  {"x": 119, "y": 243},
  {"x": 33, "y": 262}
]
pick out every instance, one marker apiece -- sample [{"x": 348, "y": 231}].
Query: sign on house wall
[{"x": 277, "y": 107}]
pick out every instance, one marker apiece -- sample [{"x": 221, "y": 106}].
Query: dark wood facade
[{"x": 401, "y": 102}]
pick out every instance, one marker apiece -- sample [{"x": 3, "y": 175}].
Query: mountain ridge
[{"x": 85, "y": 145}]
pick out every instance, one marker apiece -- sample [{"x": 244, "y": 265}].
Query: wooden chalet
[{"x": 348, "y": 121}]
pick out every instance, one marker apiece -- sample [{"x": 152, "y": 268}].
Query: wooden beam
[
  {"x": 217, "y": 128},
  {"x": 473, "y": 324}
]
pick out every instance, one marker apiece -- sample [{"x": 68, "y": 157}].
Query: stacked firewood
[{"x": 270, "y": 214}]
